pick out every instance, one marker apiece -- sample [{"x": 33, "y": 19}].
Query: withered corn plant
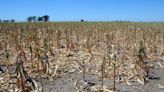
[
  {"x": 83, "y": 66},
  {"x": 114, "y": 61},
  {"x": 24, "y": 81},
  {"x": 45, "y": 61},
  {"x": 7, "y": 55},
  {"x": 20, "y": 80},
  {"x": 31, "y": 84},
  {"x": 67, "y": 39},
  {"x": 102, "y": 72},
  {"x": 114, "y": 70},
  {"x": 58, "y": 35},
  {"x": 31, "y": 58},
  {"x": 141, "y": 55}
]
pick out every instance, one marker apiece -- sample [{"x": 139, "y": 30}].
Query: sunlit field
[{"x": 81, "y": 57}]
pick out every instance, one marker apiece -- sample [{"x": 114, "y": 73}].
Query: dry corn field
[{"x": 82, "y": 57}]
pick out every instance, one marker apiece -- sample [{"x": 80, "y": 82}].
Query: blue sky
[{"x": 90, "y": 10}]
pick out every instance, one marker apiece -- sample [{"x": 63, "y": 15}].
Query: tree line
[
  {"x": 44, "y": 18},
  {"x": 7, "y": 20}
]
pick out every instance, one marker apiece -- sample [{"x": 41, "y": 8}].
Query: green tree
[
  {"x": 46, "y": 18},
  {"x": 40, "y": 19},
  {"x": 12, "y": 20},
  {"x": 5, "y": 20},
  {"x": 29, "y": 19}
]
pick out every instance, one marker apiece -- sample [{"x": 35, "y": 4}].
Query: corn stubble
[{"x": 49, "y": 49}]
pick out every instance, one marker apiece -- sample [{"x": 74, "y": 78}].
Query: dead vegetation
[{"x": 113, "y": 51}]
